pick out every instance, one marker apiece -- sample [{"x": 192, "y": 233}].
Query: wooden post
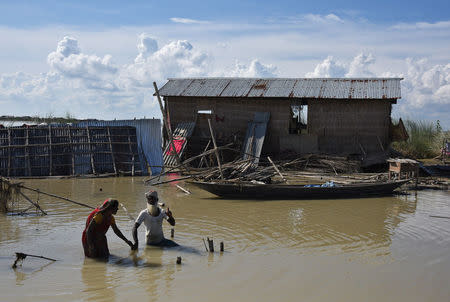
[
  {"x": 112, "y": 153},
  {"x": 167, "y": 126},
  {"x": 276, "y": 169},
  {"x": 211, "y": 245},
  {"x": 71, "y": 149},
  {"x": 50, "y": 149},
  {"x": 90, "y": 150},
  {"x": 215, "y": 148},
  {"x": 172, "y": 233},
  {"x": 9, "y": 151},
  {"x": 221, "y": 246}
]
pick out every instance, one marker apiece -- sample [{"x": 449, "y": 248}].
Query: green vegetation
[
  {"x": 49, "y": 118},
  {"x": 425, "y": 139}
]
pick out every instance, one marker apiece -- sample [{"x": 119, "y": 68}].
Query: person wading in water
[
  {"x": 98, "y": 222},
  {"x": 153, "y": 217}
]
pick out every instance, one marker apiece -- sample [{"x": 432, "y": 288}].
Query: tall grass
[{"x": 425, "y": 139}]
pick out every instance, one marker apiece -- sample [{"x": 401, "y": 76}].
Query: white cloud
[
  {"x": 328, "y": 68},
  {"x": 255, "y": 69},
  {"x": 187, "y": 21},
  {"x": 91, "y": 70},
  {"x": 422, "y": 25},
  {"x": 107, "y": 71},
  {"x": 359, "y": 67},
  {"x": 330, "y": 18}
]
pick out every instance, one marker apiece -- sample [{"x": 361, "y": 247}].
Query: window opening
[{"x": 299, "y": 119}]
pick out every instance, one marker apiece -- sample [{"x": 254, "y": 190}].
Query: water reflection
[{"x": 98, "y": 283}]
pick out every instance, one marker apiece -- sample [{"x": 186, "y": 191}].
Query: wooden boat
[{"x": 250, "y": 190}]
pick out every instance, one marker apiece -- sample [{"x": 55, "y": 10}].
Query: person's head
[
  {"x": 152, "y": 197},
  {"x": 110, "y": 206}
]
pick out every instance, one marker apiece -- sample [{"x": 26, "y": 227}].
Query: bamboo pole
[
  {"x": 132, "y": 154},
  {"x": 71, "y": 148},
  {"x": 50, "y": 157},
  {"x": 90, "y": 150},
  {"x": 168, "y": 129},
  {"x": 276, "y": 169},
  {"x": 111, "y": 148},
  {"x": 172, "y": 180},
  {"x": 183, "y": 189},
  {"x": 9, "y": 152},
  {"x": 33, "y": 203},
  {"x": 56, "y": 196},
  {"x": 215, "y": 148},
  {"x": 22, "y": 256},
  {"x": 203, "y": 157},
  {"x": 27, "y": 150}
]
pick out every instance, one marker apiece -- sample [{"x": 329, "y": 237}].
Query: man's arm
[
  {"x": 135, "y": 236},
  {"x": 120, "y": 235},
  {"x": 170, "y": 218}
]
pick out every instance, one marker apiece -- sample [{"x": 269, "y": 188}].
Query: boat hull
[{"x": 284, "y": 191}]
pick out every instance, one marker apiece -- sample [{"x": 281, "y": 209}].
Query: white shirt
[{"x": 154, "y": 232}]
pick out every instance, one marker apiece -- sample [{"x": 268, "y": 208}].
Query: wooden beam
[{"x": 215, "y": 148}]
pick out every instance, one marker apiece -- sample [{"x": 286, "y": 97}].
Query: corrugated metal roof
[{"x": 323, "y": 88}]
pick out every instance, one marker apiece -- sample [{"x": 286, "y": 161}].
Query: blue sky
[
  {"x": 98, "y": 59},
  {"x": 113, "y": 13}
]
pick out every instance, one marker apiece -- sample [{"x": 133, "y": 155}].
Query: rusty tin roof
[{"x": 319, "y": 88}]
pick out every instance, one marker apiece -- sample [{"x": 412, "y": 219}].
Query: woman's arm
[{"x": 120, "y": 235}]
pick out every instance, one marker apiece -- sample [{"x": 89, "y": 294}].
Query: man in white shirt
[{"x": 153, "y": 217}]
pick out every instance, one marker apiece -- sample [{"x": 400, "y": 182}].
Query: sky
[{"x": 98, "y": 59}]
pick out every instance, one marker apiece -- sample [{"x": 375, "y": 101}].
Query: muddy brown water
[{"x": 374, "y": 249}]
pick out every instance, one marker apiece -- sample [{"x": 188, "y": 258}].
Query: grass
[{"x": 425, "y": 139}]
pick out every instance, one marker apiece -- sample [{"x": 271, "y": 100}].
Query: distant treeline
[
  {"x": 40, "y": 119},
  {"x": 426, "y": 139}
]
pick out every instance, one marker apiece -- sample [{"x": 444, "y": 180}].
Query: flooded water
[{"x": 375, "y": 249}]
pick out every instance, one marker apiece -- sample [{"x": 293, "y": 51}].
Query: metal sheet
[
  {"x": 254, "y": 138},
  {"x": 148, "y": 133},
  {"x": 315, "y": 88},
  {"x": 182, "y": 131}
]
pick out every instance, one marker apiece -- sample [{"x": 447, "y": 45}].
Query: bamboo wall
[{"x": 67, "y": 150}]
